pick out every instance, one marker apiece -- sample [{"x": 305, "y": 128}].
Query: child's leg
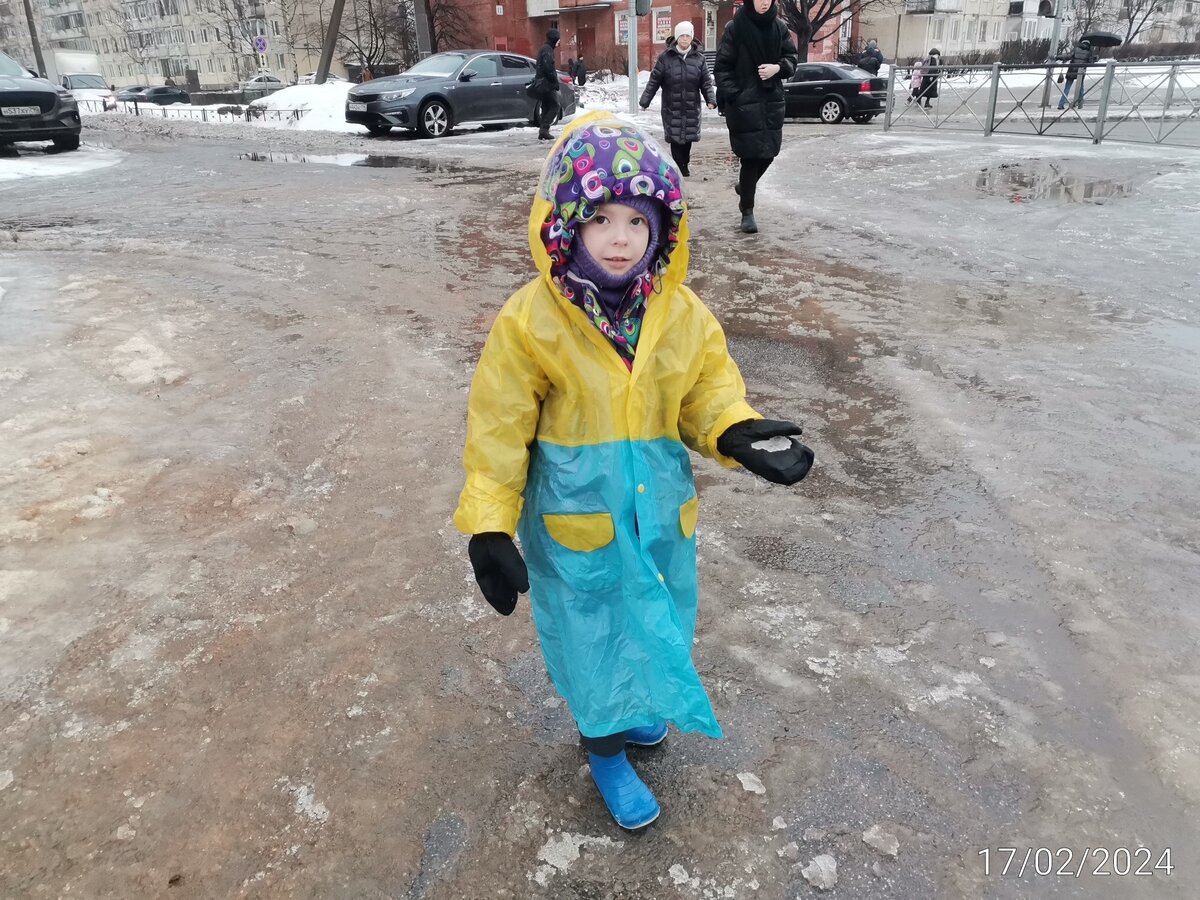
[
  {"x": 629, "y": 801},
  {"x": 610, "y": 745}
]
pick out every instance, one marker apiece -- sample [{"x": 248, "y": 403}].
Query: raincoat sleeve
[
  {"x": 718, "y": 398},
  {"x": 502, "y": 418}
]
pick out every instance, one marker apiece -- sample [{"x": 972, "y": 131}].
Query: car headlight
[
  {"x": 397, "y": 95},
  {"x": 67, "y": 97}
]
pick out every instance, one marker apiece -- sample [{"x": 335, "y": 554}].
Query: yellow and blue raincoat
[{"x": 587, "y": 459}]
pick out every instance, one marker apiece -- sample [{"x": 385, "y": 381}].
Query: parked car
[
  {"x": 260, "y": 85},
  {"x": 90, "y": 89},
  {"x": 164, "y": 96},
  {"x": 33, "y": 109},
  {"x": 453, "y": 88},
  {"x": 832, "y": 91},
  {"x": 311, "y": 78},
  {"x": 129, "y": 94}
]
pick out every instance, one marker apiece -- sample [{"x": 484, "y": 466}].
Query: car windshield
[
  {"x": 87, "y": 81},
  {"x": 443, "y": 64},
  {"x": 9, "y": 66}
]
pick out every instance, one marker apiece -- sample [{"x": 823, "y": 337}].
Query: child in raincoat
[{"x": 596, "y": 379}]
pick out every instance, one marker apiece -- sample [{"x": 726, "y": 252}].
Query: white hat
[{"x": 684, "y": 28}]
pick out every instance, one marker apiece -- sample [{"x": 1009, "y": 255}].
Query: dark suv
[
  {"x": 33, "y": 109},
  {"x": 453, "y": 88}
]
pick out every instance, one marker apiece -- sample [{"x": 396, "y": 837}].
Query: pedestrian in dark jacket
[
  {"x": 1079, "y": 58},
  {"x": 545, "y": 84},
  {"x": 756, "y": 56},
  {"x": 683, "y": 75},
  {"x": 871, "y": 59},
  {"x": 931, "y": 67},
  {"x": 580, "y": 72}
]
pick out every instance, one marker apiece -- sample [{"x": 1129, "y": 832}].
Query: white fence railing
[
  {"x": 1156, "y": 103},
  {"x": 231, "y": 113}
]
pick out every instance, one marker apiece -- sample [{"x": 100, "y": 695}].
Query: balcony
[{"x": 928, "y": 7}]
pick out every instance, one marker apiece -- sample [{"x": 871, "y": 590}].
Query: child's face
[{"x": 616, "y": 237}]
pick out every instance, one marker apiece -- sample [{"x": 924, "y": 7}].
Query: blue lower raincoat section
[{"x": 608, "y": 532}]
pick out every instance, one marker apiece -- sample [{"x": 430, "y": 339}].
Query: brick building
[{"x": 597, "y": 29}]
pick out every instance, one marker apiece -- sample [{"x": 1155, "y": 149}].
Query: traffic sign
[{"x": 260, "y": 44}]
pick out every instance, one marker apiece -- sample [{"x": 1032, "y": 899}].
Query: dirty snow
[
  {"x": 821, "y": 872},
  {"x": 751, "y": 782},
  {"x": 883, "y": 841},
  {"x": 32, "y": 164}
]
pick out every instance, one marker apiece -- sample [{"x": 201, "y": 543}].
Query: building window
[
  {"x": 939, "y": 28},
  {"x": 954, "y": 28}
]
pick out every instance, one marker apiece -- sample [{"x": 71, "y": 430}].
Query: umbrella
[{"x": 1102, "y": 39}]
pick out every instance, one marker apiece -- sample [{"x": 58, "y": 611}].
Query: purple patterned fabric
[{"x": 605, "y": 164}]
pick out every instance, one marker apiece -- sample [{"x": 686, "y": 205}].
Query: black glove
[
  {"x": 785, "y": 466},
  {"x": 499, "y": 569}
]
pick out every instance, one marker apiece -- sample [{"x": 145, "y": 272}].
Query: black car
[
  {"x": 832, "y": 91},
  {"x": 33, "y": 109},
  {"x": 164, "y": 96},
  {"x": 453, "y": 88},
  {"x": 132, "y": 93}
]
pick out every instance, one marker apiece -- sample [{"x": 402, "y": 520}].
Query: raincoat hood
[{"x": 601, "y": 159}]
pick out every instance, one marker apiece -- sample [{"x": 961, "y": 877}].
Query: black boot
[{"x": 749, "y": 226}]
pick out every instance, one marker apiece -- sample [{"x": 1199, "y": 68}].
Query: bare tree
[
  {"x": 815, "y": 20},
  {"x": 378, "y": 31},
  {"x": 131, "y": 36},
  {"x": 453, "y": 27},
  {"x": 1139, "y": 15},
  {"x": 293, "y": 28},
  {"x": 238, "y": 23},
  {"x": 1089, "y": 15}
]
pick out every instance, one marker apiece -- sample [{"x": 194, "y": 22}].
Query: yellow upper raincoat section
[{"x": 546, "y": 373}]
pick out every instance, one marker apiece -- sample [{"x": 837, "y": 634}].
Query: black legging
[
  {"x": 752, "y": 170},
  {"x": 609, "y": 745},
  {"x": 547, "y": 113},
  {"x": 682, "y": 154}
]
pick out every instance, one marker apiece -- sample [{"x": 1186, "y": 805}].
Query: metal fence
[
  {"x": 1153, "y": 103},
  {"x": 231, "y": 113}
]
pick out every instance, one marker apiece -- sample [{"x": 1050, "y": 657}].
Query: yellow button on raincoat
[{"x": 588, "y": 460}]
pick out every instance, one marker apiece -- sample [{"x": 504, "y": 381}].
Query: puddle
[
  {"x": 1021, "y": 185},
  {"x": 337, "y": 159},
  {"x": 434, "y": 168}
]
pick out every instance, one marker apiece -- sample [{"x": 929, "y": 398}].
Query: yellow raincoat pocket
[
  {"x": 582, "y": 549},
  {"x": 687, "y": 517},
  {"x": 580, "y": 531}
]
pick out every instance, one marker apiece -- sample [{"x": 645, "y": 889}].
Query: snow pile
[
  {"x": 325, "y": 105},
  {"x": 52, "y": 165}
]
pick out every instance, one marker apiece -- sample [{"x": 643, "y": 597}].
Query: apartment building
[
  {"x": 955, "y": 27},
  {"x": 598, "y": 30},
  {"x": 200, "y": 44}
]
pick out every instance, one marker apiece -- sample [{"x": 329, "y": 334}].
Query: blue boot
[
  {"x": 647, "y": 736},
  {"x": 626, "y": 796}
]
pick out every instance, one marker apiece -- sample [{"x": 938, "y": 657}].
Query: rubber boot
[
  {"x": 649, "y": 736},
  {"x": 629, "y": 801},
  {"x": 749, "y": 226}
]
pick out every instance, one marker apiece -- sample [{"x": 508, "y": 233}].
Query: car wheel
[
  {"x": 434, "y": 119},
  {"x": 71, "y": 142},
  {"x": 864, "y": 118},
  {"x": 378, "y": 130},
  {"x": 832, "y": 111}
]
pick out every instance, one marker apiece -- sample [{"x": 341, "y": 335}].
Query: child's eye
[
  {"x": 636, "y": 220},
  {"x": 601, "y": 220}
]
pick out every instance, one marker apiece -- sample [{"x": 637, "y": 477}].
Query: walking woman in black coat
[
  {"x": 682, "y": 74},
  {"x": 756, "y": 56}
]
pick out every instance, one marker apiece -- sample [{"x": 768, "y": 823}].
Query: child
[{"x": 596, "y": 377}]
